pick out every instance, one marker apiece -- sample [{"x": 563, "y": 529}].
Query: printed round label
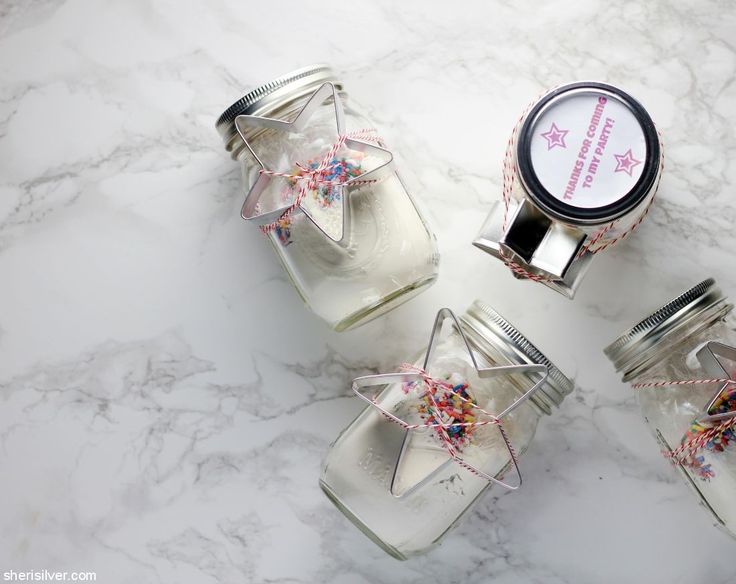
[{"x": 588, "y": 149}]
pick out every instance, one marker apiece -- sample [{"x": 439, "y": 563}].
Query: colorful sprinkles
[
  {"x": 712, "y": 441},
  {"x": 715, "y": 437},
  {"x": 325, "y": 184},
  {"x": 449, "y": 408},
  {"x": 283, "y": 230},
  {"x": 446, "y": 406}
]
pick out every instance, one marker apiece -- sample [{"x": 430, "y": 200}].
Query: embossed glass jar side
[
  {"x": 657, "y": 356},
  {"x": 406, "y": 503},
  {"x": 388, "y": 255}
]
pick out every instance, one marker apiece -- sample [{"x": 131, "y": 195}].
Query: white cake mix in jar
[
  {"x": 321, "y": 184},
  {"x": 401, "y": 486},
  {"x": 681, "y": 361}
]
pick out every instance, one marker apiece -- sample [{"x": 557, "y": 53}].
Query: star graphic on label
[
  {"x": 555, "y": 137},
  {"x": 626, "y": 162}
]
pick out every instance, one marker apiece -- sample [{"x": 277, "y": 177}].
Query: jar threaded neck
[
  {"x": 271, "y": 96},
  {"x": 639, "y": 347},
  {"x": 488, "y": 326}
]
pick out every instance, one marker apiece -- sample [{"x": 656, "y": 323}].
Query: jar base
[
  {"x": 384, "y": 305},
  {"x": 332, "y": 496}
]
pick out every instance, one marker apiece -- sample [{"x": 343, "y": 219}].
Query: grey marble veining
[{"x": 166, "y": 400}]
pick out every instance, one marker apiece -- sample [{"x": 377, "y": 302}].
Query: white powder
[
  {"x": 670, "y": 411},
  {"x": 359, "y": 470},
  {"x": 388, "y": 250}
]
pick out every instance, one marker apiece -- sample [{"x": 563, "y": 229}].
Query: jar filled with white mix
[
  {"x": 581, "y": 170},
  {"x": 322, "y": 187},
  {"x": 681, "y": 360},
  {"x": 440, "y": 431}
]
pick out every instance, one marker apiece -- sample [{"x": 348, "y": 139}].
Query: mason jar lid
[
  {"x": 273, "y": 94},
  {"x": 588, "y": 153},
  {"x": 487, "y": 326},
  {"x": 639, "y": 347}
]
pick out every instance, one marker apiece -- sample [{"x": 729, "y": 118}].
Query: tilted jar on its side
[
  {"x": 442, "y": 430},
  {"x": 322, "y": 187},
  {"x": 681, "y": 360},
  {"x": 581, "y": 170}
]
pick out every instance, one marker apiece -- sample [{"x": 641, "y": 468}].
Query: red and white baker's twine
[
  {"x": 509, "y": 177},
  {"x": 686, "y": 382},
  {"x": 591, "y": 246},
  {"x": 691, "y": 447},
  {"x": 695, "y": 444},
  {"x": 310, "y": 179},
  {"x": 433, "y": 422}
]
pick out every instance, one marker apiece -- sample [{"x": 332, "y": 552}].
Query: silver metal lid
[
  {"x": 485, "y": 324},
  {"x": 273, "y": 94},
  {"x": 638, "y": 348}
]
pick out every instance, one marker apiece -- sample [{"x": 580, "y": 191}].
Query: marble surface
[{"x": 165, "y": 398}]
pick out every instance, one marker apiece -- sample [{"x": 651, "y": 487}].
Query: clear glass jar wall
[
  {"x": 406, "y": 504},
  {"x": 389, "y": 253},
  {"x": 665, "y": 348}
]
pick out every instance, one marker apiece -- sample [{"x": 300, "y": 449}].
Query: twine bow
[
  {"x": 450, "y": 413},
  {"x": 704, "y": 431}
]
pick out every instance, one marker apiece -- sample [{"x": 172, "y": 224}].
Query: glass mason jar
[
  {"x": 399, "y": 484},
  {"x": 581, "y": 170},
  {"x": 321, "y": 186},
  {"x": 680, "y": 359}
]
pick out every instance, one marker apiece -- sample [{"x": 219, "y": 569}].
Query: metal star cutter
[
  {"x": 308, "y": 181},
  {"x": 713, "y": 357},
  {"x": 445, "y": 420},
  {"x": 718, "y": 416}
]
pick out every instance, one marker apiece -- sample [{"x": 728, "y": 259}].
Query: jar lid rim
[
  {"x": 631, "y": 349},
  {"x": 255, "y": 99},
  {"x": 491, "y": 326},
  {"x": 561, "y": 210}
]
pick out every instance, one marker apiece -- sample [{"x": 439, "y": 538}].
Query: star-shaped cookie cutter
[
  {"x": 358, "y": 141},
  {"x": 711, "y": 357},
  {"x": 385, "y": 379}
]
